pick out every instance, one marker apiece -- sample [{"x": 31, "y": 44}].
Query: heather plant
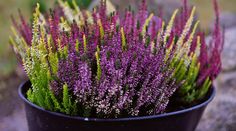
[{"x": 95, "y": 65}]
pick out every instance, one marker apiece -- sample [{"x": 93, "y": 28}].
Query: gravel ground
[{"x": 12, "y": 115}]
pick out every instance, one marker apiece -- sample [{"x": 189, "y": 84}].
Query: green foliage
[
  {"x": 82, "y": 3},
  {"x": 99, "y": 70},
  {"x": 69, "y": 106},
  {"x": 40, "y": 65},
  {"x": 204, "y": 89},
  {"x": 189, "y": 92},
  {"x": 56, "y": 103},
  {"x": 30, "y": 95}
]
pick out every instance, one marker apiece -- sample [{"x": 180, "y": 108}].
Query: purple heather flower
[
  {"x": 83, "y": 86},
  {"x": 24, "y": 28},
  {"x": 54, "y": 27}
]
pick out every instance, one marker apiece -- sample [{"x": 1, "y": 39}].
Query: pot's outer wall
[{"x": 42, "y": 120}]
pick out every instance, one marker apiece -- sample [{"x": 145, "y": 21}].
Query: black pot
[{"x": 43, "y": 120}]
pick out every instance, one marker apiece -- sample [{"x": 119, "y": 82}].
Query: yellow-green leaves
[
  {"x": 101, "y": 29},
  {"x": 64, "y": 25},
  {"x": 123, "y": 39},
  {"x": 185, "y": 48},
  {"x": 72, "y": 13},
  {"x": 36, "y": 25},
  {"x": 204, "y": 89},
  {"x": 169, "y": 27},
  {"x": 78, "y": 12},
  {"x": 85, "y": 43},
  {"x": 77, "y": 44},
  {"x": 161, "y": 31},
  {"x": 18, "y": 43},
  {"x": 69, "y": 13},
  {"x": 185, "y": 30},
  {"x": 99, "y": 70},
  {"x": 198, "y": 48},
  {"x": 69, "y": 107},
  {"x": 147, "y": 23}
]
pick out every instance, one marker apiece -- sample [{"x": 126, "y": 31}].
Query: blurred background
[{"x": 220, "y": 114}]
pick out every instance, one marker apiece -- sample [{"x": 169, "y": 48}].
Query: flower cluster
[{"x": 96, "y": 65}]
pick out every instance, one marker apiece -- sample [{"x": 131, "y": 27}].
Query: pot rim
[{"x": 211, "y": 94}]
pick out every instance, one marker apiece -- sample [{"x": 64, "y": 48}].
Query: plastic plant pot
[{"x": 40, "y": 119}]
